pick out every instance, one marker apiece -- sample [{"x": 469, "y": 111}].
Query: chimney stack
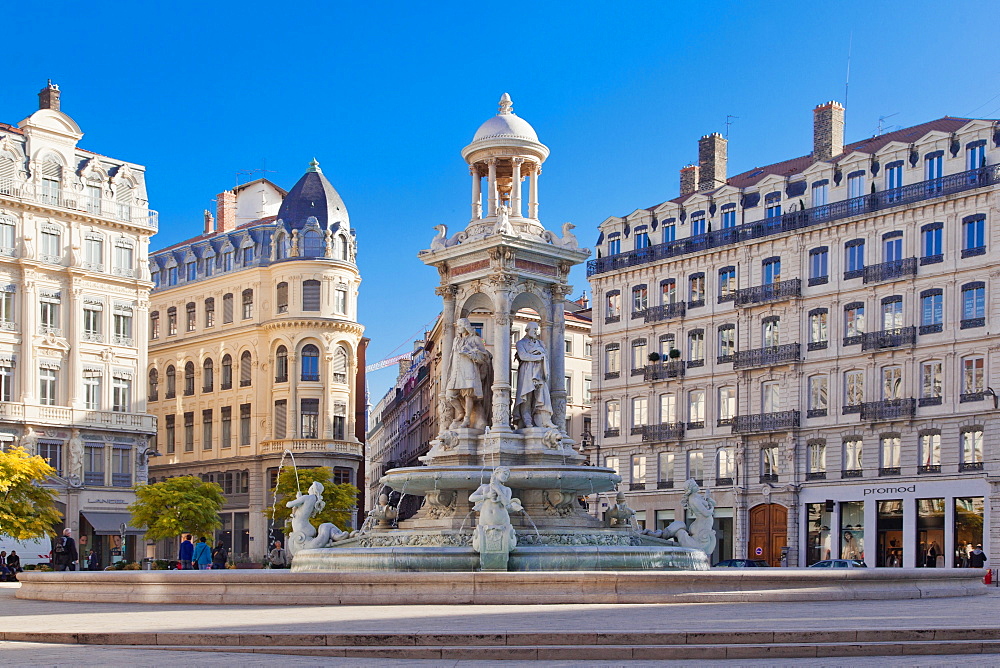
[
  {"x": 828, "y": 130},
  {"x": 689, "y": 179},
  {"x": 48, "y": 97},
  {"x": 225, "y": 217},
  {"x": 209, "y": 223},
  {"x": 711, "y": 162}
]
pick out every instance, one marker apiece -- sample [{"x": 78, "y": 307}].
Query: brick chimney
[
  {"x": 209, "y": 222},
  {"x": 711, "y": 162},
  {"x": 48, "y": 97},
  {"x": 689, "y": 179},
  {"x": 225, "y": 218},
  {"x": 828, "y": 130}
]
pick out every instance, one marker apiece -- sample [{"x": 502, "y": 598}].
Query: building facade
[
  {"x": 74, "y": 237},
  {"x": 814, "y": 340},
  {"x": 404, "y": 422},
  {"x": 256, "y": 351}
]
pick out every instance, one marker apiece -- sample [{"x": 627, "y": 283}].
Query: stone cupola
[{"x": 506, "y": 151}]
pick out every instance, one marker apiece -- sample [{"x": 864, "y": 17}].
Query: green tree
[
  {"x": 340, "y": 499},
  {"x": 27, "y": 510},
  {"x": 178, "y": 505}
]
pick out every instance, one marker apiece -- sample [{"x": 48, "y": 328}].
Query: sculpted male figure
[
  {"x": 533, "y": 406},
  {"x": 468, "y": 380}
]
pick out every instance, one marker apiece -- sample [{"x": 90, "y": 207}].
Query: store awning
[{"x": 110, "y": 524}]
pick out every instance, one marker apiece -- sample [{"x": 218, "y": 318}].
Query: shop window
[
  {"x": 969, "y": 514},
  {"x": 819, "y": 539},
  {"x": 930, "y": 533},
  {"x": 852, "y": 530},
  {"x": 889, "y": 527}
]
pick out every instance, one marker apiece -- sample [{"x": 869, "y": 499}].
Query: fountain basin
[{"x": 578, "y": 480}]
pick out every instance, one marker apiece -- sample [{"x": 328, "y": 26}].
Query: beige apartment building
[
  {"x": 74, "y": 294},
  {"x": 404, "y": 421},
  {"x": 816, "y": 341},
  {"x": 256, "y": 353}
]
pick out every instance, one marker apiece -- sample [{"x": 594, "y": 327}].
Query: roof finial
[
  {"x": 314, "y": 166},
  {"x": 506, "y": 106}
]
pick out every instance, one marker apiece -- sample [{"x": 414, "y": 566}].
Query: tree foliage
[
  {"x": 179, "y": 505},
  {"x": 27, "y": 510},
  {"x": 340, "y": 499}
]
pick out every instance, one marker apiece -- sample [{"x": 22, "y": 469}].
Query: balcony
[
  {"x": 770, "y": 356},
  {"x": 769, "y": 292},
  {"x": 93, "y": 478},
  {"x": 967, "y": 397},
  {"x": 35, "y": 413},
  {"x": 664, "y": 484},
  {"x": 122, "y": 340},
  {"x": 889, "y": 338},
  {"x": 970, "y": 466},
  {"x": 888, "y": 409},
  {"x": 891, "y": 271},
  {"x": 93, "y": 337},
  {"x": 805, "y": 218},
  {"x": 664, "y": 370},
  {"x": 929, "y": 468},
  {"x": 72, "y": 200},
  {"x": 816, "y": 475},
  {"x": 768, "y": 477},
  {"x": 50, "y": 329},
  {"x": 667, "y": 431},
  {"x": 612, "y": 375},
  {"x": 121, "y": 479},
  {"x": 612, "y": 433},
  {"x": 311, "y": 445},
  {"x": 665, "y": 312},
  {"x": 765, "y": 422},
  {"x": 636, "y": 486},
  {"x": 724, "y": 481},
  {"x": 852, "y": 473},
  {"x": 612, "y": 319},
  {"x": 888, "y": 470}
]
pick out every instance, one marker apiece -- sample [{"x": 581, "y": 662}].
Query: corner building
[
  {"x": 816, "y": 340},
  {"x": 255, "y": 349},
  {"x": 74, "y": 293}
]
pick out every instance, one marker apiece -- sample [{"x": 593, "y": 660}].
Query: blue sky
[{"x": 385, "y": 95}]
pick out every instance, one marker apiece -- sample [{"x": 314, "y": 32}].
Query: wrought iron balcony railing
[
  {"x": 664, "y": 370},
  {"x": 888, "y": 409},
  {"x": 748, "y": 359},
  {"x": 889, "y": 338},
  {"x": 795, "y": 220},
  {"x": 970, "y": 466},
  {"x": 764, "y": 422},
  {"x": 890, "y": 271},
  {"x": 769, "y": 292},
  {"x": 667, "y": 431},
  {"x": 665, "y": 312},
  {"x": 929, "y": 468}
]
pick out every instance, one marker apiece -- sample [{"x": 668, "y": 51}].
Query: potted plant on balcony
[
  {"x": 654, "y": 357},
  {"x": 675, "y": 353}
]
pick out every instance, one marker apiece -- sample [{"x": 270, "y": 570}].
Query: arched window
[
  {"x": 310, "y": 362},
  {"x": 189, "y": 379},
  {"x": 246, "y": 364},
  {"x": 310, "y": 295},
  {"x": 51, "y": 180},
  {"x": 281, "y": 365},
  {"x": 340, "y": 364},
  {"x": 282, "y": 297},
  {"x": 154, "y": 385},
  {"x": 208, "y": 375},
  {"x": 171, "y": 382},
  {"x": 8, "y": 166},
  {"x": 281, "y": 246},
  {"x": 312, "y": 244},
  {"x": 227, "y": 372},
  {"x": 124, "y": 200}
]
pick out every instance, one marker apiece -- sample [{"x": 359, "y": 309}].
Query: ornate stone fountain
[{"x": 496, "y": 437}]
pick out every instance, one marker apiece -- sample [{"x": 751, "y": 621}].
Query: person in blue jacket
[
  {"x": 202, "y": 555},
  {"x": 185, "y": 554}
]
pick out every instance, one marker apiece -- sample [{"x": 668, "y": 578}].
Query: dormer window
[{"x": 614, "y": 244}]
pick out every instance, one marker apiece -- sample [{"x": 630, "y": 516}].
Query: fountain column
[
  {"x": 501, "y": 358},
  {"x": 557, "y": 355}
]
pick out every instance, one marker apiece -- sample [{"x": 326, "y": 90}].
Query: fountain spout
[{"x": 494, "y": 536}]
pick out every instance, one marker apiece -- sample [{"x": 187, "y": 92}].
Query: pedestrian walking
[
  {"x": 278, "y": 557},
  {"x": 64, "y": 554},
  {"x": 93, "y": 561},
  {"x": 202, "y": 555},
  {"x": 186, "y": 552},
  {"x": 977, "y": 558},
  {"x": 220, "y": 555}
]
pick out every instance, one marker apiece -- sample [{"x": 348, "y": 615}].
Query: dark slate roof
[{"x": 312, "y": 196}]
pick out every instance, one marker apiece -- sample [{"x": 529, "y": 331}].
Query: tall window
[
  {"x": 310, "y": 295},
  {"x": 247, "y": 304},
  {"x": 309, "y": 418},
  {"x": 51, "y": 245},
  {"x": 819, "y": 192},
  {"x": 669, "y": 231},
  {"x": 769, "y": 462},
  {"x": 310, "y": 363},
  {"x": 770, "y": 400},
  {"x": 188, "y": 379},
  {"x": 312, "y": 244},
  {"x": 727, "y": 284},
  {"x": 281, "y": 365},
  {"x": 192, "y": 318},
  {"x": 206, "y": 429},
  {"x": 771, "y": 331},
  {"x": 341, "y": 364},
  {"x": 153, "y": 385},
  {"x": 247, "y": 258},
  {"x": 154, "y": 325},
  {"x": 975, "y": 155},
  {"x": 246, "y": 367},
  {"x": 640, "y": 412},
  {"x": 696, "y": 465},
  {"x": 121, "y": 393},
  {"x": 668, "y": 291},
  {"x": 855, "y": 185},
  {"x": 771, "y": 270},
  {"x": 244, "y": 424},
  {"x": 282, "y": 297},
  {"x": 7, "y": 314},
  {"x": 92, "y": 322},
  {"x": 819, "y": 265},
  {"x": 727, "y": 405},
  {"x": 638, "y": 470},
  {"x": 639, "y": 354},
  {"x": 226, "y": 431},
  {"x": 930, "y": 451},
  {"x": 892, "y": 383},
  {"x": 973, "y": 375},
  {"x": 696, "y": 289},
  {"x": 973, "y": 235},
  {"x": 934, "y": 165},
  {"x": 612, "y": 360},
  {"x": 725, "y": 471},
  {"x": 170, "y": 433},
  {"x": 189, "y": 432},
  {"x": 728, "y": 216},
  {"x": 614, "y": 244},
  {"x": 92, "y": 389},
  {"x": 93, "y": 463},
  {"x": 339, "y": 420},
  {"x": 931, "y": 311},
  {"x": 191, "y": 271},
  {"x": 854, "y": 388},
  {"x": 665, "y": 470},
  {"x": 227, "y": 261},
  {"x": 51, "y": 453},
  {"x": 210, "y": 312},
  {"x": 227, "y": 308},
  {"x": 613, "y": 304},
  {"x": 207, "y": 375},
  {"x": 280, "y": 418},
  {"x": 853, "y": 454},
  {"x": 931, "y": 382},
  {"x": 227, "y": 372},
  {"x": 727, "y": 342},
  {"x": 931, "y": 245},
  {"x": 894, "y": 175},
  {"x": 613, "y": 416},
  {"x": 668, "y": 408},
  {"x": 640, "y": 299},
  {"x": 972, "y": 448},
  {"x": 171, "y": 382},
  {"x": 854, "y": 322},
  {"x": 772, "y": 205},
  {"x": 817, "y": 456},
  {"x": 892, "y": 313},
  {"x": 121, "y": 320},
  {"x": 818, "y": 395},
  {"x": 892, "y": 247},
  {"x": 172, "y": 275},
  {"x": 642, "y": 238},
  {"x": 48, "y": 320},
  {"x": 7, "y": 235},
  {"x": 854, "y": 255},
  {"x": 696, "y": 347},
  {"x": 93, "y": 252},
  {"x": 819, "y": 334},
  {"x": 6, "y": 380},
  {"x": 696, "y": 408},
  {"x": 698, "y": 225},
  {"x": 890, "y": 454},
  {"x": 973, "y": 305},
  {"x": 47, "y": 386},
  {"x": 667, "y": 343}
]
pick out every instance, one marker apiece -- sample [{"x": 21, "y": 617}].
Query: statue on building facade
[
  {"x": 74, "y": 468},
  {"x": 469, "y": 381},
  {"x": 29, "y": 441},
  {"x": 533, "y": 405}
]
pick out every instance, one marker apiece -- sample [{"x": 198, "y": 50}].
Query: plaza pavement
[{"x": 109, "y": 617}]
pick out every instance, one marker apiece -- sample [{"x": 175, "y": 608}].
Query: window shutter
[
  {"x": 245, "y": 363},
  {"x": 52, "y": 170},
  {"x": 280, "y": 418},
  {"x": 227, "y": 308},
  {"x": 8, "y": 167},
  {"x": 310, "y": 296}
]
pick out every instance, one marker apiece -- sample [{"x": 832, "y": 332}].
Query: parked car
[
  {"x": 839, "y": 563},
  {"x": 742, "y": 563}
]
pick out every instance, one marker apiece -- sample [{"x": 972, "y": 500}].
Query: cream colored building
[
  {"x": 255, "y": 349},
  {"x": 403, "y": 423},
  {"x": 74, "y": 236},
  {"x": 834, "y": 318}
]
